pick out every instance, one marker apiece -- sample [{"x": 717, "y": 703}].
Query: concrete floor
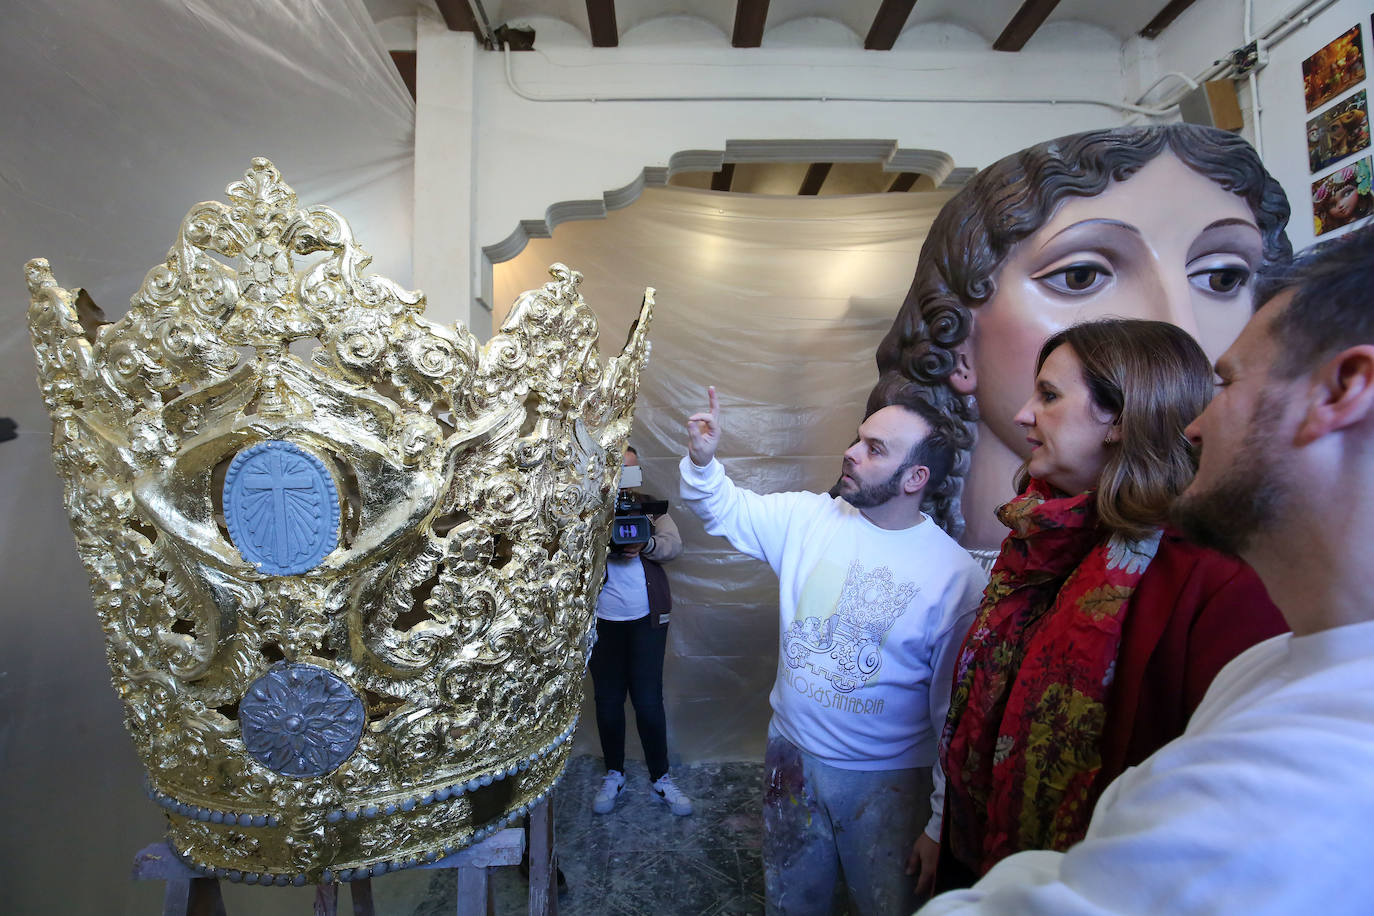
[{"x": 640, "y": 859}]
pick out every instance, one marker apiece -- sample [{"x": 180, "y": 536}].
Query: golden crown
[{"x": 346, "y": 559}]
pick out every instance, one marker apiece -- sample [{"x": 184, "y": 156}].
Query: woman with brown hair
[
  {"x": 1101, "y": 628},
  {"x": 1164, "y": 222}
]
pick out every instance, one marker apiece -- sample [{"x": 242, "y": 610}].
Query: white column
[{"x": 444, "y": 191}]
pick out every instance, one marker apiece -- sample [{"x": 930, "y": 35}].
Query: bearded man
[
  {"x": 875, "y": 600},
  {"x": 1264, "y": 804}
]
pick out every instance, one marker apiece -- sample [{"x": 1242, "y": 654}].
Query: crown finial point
[{"x": 38, "y": 274}]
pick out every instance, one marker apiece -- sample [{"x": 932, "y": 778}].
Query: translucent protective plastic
[
  {"x": 779, "y": 303},
  {"x": 116, "y": 118}
]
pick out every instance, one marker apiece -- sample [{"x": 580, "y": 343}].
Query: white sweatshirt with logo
[{"x": 871, "y": 621}]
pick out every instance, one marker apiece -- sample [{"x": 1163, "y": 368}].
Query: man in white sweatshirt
[
  {"x": 1265, "y": 804},
  {"x": 875, "y": 600}
]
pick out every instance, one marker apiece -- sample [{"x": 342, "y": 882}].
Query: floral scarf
[{"x": 1022, "y": 744}]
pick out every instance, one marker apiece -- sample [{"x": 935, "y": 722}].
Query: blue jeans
[
  {"x": 826, "y": 829},
  {"x": 628, "y": 657}
]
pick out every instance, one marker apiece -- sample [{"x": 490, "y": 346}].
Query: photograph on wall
[
  {"x": 1343, "y": 197},
  {"x": 1333, "y": 69},
  {"x": 1342, "y": 130}
]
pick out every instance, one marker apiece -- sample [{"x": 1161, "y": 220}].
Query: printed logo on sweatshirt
[{"x": 846, "y": 647}]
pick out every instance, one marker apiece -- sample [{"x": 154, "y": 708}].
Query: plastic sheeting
[
  {"x": 779, "y": 303},
  {"x": 116, "y": 118}
]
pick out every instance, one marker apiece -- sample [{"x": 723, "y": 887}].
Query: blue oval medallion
[
  {"x": 281, "y": 507},
  {"x": 301, "y": 720}
]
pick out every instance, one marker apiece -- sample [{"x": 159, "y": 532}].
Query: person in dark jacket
[{"x": 631, "y": 637}]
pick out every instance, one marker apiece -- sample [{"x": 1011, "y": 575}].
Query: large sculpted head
[
  {"x": 346, "y": 559},
  {"x": 1165, "y": 223}
]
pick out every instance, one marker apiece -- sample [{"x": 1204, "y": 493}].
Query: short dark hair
[
  {"x": 1333, "y": 304},
  {"x": 632, "y": 450},
  {"x": 935, "y": 450}
]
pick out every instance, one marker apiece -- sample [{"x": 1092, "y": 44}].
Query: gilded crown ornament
[{"x": 346, "y": 559}]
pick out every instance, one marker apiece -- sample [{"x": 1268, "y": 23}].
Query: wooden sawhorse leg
[
  {"x": 543, "y": 870},
  {"x": 190, "y": 894}
]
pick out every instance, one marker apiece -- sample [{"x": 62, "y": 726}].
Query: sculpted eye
[
  {"x": 1221, "y": 281},
  {"x": 1078, "y": 279}
]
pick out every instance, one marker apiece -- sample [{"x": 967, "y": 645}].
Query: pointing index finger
[{"x": 711, "y": 397}]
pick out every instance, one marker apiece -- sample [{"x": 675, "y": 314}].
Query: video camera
[{"x": 632, "y": 524}]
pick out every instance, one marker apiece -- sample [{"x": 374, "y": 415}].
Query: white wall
[
  {"x": 531, "y": 156},
  {"x": 554, "y": 135},
  {"x": 1212, "y": 28}
]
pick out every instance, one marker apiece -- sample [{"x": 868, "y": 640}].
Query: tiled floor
[{"x": 640, "y": 859}]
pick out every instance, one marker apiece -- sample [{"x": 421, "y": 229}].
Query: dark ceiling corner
[
  {"x": 815, "y": 178},
  {"x": 888, "y": 23},
  {"x": 517, "y": 38},
  {"x": 1164, "y": 18},
  {"x": 458, "y": 16},
  {"x": 903, "y": 182},
  {"x": 601, "y": 18},
  {"x": 405, "y": 65},
  {"x": 1028, "y": 18},
  {"x": 750, "y": 16}
]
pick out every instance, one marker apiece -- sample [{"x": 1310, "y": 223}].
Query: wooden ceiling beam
[
  {"x": 815, "y": 177},
  {"x": 1164, "y": 17},
  {"x": 721, "y": 180},
  {"x": 601, "y": 17},
  {"x": 1028, "y": 18},
  {"x": 750, "y": 16},
  {"x": 405, "y": 65},
  {"x": 888, "y": 24},
  {"x": 903, "y": 182},
  {"x": 458, "y": 16}
]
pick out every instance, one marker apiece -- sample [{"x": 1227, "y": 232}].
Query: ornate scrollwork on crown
[{"x": 346, "y": 559}]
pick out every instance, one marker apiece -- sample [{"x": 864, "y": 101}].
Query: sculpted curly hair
[{"x": 1008, "y": 202}]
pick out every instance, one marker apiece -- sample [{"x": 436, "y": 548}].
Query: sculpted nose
[{"x": 1175, "y": 303}]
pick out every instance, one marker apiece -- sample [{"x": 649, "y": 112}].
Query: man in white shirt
[
  {"x": 875, "y": 600},
  {"x": 1265, "y": 804}
]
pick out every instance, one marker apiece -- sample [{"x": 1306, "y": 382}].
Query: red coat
[{"x": 1194, "y": 610}]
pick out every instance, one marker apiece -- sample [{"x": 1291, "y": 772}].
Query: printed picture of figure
[
  {"x": 1342, "y": 197},
  {"x": 1333, "y": 69},
  {"x": 1342, "y": 130}
]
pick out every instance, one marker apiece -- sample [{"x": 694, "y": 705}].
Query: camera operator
[{"x": 632, "y": 633}]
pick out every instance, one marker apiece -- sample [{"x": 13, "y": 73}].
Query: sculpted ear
[
  {"x": 1343, "y": 394},
  {"x": 964, "y": 378}
]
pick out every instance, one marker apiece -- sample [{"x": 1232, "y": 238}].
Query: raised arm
[
  {"x": 703, "y": 431},
  {"x": 755, "y": 524}
]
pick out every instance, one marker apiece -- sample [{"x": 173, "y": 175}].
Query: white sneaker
[
  {"x": 665, "y": 791},
  {"x": 604, "y": 802}
]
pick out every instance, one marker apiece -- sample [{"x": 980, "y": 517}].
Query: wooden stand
[{"x": 191, "y": 894}]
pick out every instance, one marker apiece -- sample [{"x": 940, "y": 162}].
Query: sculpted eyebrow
[
  {"x": 1101, "y": 223},
  {"x": 1232, "y": 221},
  {"x": 1228, "y": 235}
]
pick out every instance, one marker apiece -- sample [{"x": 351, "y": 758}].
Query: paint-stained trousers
[{"x": 830, "y": 833}]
